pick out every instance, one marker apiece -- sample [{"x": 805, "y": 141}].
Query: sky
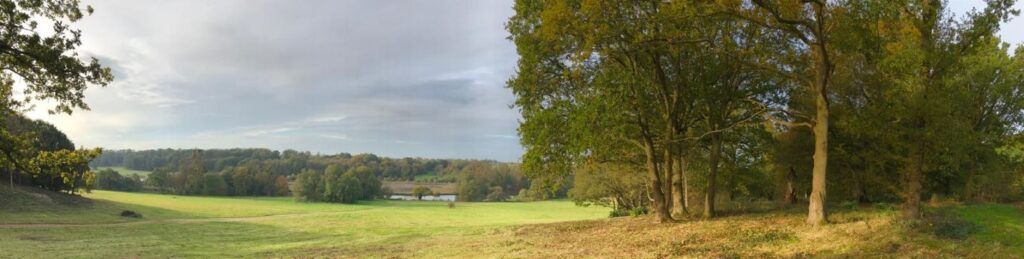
[{"x": 394, "y": 78}]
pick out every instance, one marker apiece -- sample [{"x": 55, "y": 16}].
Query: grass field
[
  {"x": 180, "y": 226},
  {"x": 123, "y": 170}
]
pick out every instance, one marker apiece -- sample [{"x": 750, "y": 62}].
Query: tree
[
  {"x": 926, "y": 46},
  {"x": 242, "y": 178},
  {"x": 281, "y": 186},
  {"x": 213, "y": 184},
  {"x": 421, "y": 191},
  {"x": 618, "y": 186},
  {"x": 50, "y": 69},
  {"x": 596, "y": 76},
  {"x": 333, "y": 189},
  {"x": 195, "y": 173},
  {"x": 159, "y": 179},
  {"x": 308, "y": 186},
  {"x": 369, "y": 185},
  {"x": 351, "y": 189},
  {"x": 810, "y": 25}
]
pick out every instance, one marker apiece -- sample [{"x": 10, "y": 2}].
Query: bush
[
  {"x": 130, "y": 214},
  {"x": 947, "y": 224},
  {"x": 618, "y": 213},
  {"x": 638, "y": 211}
]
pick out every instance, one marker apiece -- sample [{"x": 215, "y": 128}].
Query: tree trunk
[
  {"x": 668, "y": 170},
  {"x": 816, "y": 208},
  {"x": 731, "y": 186},
  {"x": 912, "y": 197},
  {"x": 790, "y": 195},
  {"x": 862, "y": 191},
  {"x": 657, "y": 195},
  {"x": 679, "y": 189},
  {"x": 709, "y": 197}
]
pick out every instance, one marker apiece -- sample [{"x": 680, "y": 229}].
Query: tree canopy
[{"x": 874, "y": 100}]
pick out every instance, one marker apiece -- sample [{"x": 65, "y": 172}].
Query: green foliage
[
  {"x": 891, "y": 100},
  {"x": 618, "y": 186},
  {"x": 308, "y": 186},
  {"x": 108, "y": 179},
  {"x": 336, "y": 186},
  {"x": 421, "y": 191},
  {"x": 51, "y": 70},
  {"x": 482, "y": 181},
  {"x": 213, "y": 184},
  {"x": 946, "y": 223}
]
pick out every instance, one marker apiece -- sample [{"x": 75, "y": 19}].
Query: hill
[{"x": 29, "y": 198}]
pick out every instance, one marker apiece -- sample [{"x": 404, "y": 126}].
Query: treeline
[
  {"x": 191, "y": 177},
  {"x": 287, "y": 162},
  {"x": 482, "y": 181},
  {"x": 674, "y": 106},
  {"x": 108, "y": 179},
  {"x": 328, "y": 178}
]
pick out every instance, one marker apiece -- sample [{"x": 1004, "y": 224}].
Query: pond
[{"x": 405, "y": 197}]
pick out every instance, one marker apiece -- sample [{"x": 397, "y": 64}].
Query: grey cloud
[{"x": 415, "y": 78}]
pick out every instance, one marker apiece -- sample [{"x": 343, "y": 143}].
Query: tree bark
[
  {"x": 709, "y": 197},
  {"x": 679, "y": 189},
  {"x": 816, "y": 208},
  {"x": 658, "y": 197},
  {"x": 912, "y": 197},
  {"x": 668, "y": 170},
  {"x": 790, "y": 195}
]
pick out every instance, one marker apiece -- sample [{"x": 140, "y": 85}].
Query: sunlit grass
[{"x": 175, "y": 226}]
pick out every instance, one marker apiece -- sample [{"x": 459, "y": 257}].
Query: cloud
[{"x": 397, "y": 79}]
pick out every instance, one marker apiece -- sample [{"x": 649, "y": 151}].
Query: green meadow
[
  {"x": 38, "y": 224},
  {"x": 182, "y": 226}
]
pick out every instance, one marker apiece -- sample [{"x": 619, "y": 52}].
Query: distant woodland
[{"x": 256, "y": 171}]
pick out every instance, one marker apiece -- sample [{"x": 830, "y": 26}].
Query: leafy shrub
[
  {"x": 130, "y": 214},
  {"x": 638, "y": 211},
  {"x": 949, "y": 225},
  {"x": 618, "y": 213}
]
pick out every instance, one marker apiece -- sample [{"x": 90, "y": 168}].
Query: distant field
[
  {"x": 406, "y": 187},
  {"x": 179, "y": 226},
  {"x": 123, "y": 171}
]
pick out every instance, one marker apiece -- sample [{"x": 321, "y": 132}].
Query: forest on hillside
[{"x": 333, "y": 178}]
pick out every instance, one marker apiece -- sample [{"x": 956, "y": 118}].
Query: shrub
[
  {"x": 949, "y": 225},
  {"x": 638, "y": 211},
  {"x": 618, "y": 213},
  {"x": 130, "y": 214}
]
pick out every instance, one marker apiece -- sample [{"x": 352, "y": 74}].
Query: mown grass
[
  {"x": 178, "y": 226},
  {"x": 123, "y": 171},
  {"x": 999, "y": 224}
]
